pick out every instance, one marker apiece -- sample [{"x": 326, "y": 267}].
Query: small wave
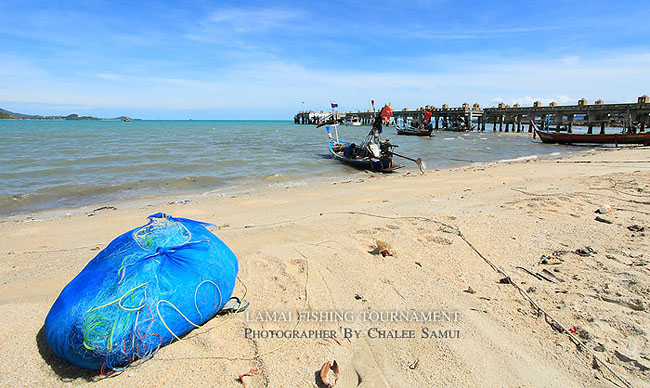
[
  {"x": 519, "y": 159},
  {"x": 281, "y": 178},
  {"x": 273, "y": 178},
  {"x": 288, "y": 184}
]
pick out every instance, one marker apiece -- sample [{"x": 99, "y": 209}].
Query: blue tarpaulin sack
[{"x": 147, "y": 287}]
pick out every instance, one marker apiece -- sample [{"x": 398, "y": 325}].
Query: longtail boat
[
  {"x": 409, "y": 130},
  {"x": 584, "y": 138},
  {"x": 456, "y": 128},
  {"x": 365, "y": 158},
  {"x": 421, "y": 126},
  {"x": 456, "y": 124},
  {"x": 372, "y": 154}
]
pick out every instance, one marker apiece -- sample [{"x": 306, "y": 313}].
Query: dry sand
[{"x": 305, "y": 237}]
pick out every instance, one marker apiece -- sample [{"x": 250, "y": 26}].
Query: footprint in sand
[{"x": 438, "y": 240}]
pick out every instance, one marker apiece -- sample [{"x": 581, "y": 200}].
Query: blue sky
[{"x": 262, "y": 60}]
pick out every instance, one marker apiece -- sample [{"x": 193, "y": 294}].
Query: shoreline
[
  {"x": 308, "y": 248},
  {"x": 259, "y": 183}
]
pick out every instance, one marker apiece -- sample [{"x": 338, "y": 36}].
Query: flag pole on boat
[{"x": 335, "y": 116}]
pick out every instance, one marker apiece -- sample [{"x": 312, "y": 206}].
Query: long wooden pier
[{"x": 508, "y": 118}]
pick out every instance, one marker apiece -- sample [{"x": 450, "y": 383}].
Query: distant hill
[
  {"x": 8, "y": 115},
  {"x": 15, "y": 115},
  {"x": 5, "y": 114}
]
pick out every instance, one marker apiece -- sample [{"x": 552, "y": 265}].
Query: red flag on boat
[
  {"x": 427, "y": 117},
  {"x": 386, "y": 113}
]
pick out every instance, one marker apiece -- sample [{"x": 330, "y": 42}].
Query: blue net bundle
[{"x": 147, "y": 287}]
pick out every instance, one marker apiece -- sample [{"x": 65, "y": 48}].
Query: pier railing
[{"x": 514, "y": 118}]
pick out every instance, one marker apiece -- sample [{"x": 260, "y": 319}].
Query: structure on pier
[
  {"x": 513, "y": 118},
  {"x": 309, "y": 117}
]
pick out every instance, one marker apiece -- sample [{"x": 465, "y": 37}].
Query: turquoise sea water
[{"x": 52, "y": 164}]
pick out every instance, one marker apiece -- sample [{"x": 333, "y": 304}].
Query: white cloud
[
  {"x": 527, "y": 100},
  {"x": 468, "y": 33},
  {"x": 570, "y": 60},
  {"x": 247, "y": 20},
  {"x": 563, "y": 100},
  {"x": 233, "y": 27},
  {"x": 110, "y": 76},
  {"x": 545, "y": 100},
  {"x": 16, "y": 67}
]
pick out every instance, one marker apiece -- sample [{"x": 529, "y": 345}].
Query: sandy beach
[{"x": 313, "y": 248}]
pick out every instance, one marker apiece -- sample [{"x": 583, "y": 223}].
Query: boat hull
[
  {"x": 461, "y": 128},
  {"x": 581, "y": 138},
  {"x": 379, "y": 165},
  {"x": 412, "y": 131}
]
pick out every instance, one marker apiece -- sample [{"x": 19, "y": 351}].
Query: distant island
[{"x": 8, "y": 115}]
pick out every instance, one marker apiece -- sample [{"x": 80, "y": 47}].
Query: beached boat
[
  {"x": 584, "y": 138},
  {"x": 372, "y": 154},
  {"x": 365, "y": 157}
]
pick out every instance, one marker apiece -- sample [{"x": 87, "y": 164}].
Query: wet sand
[{"x": 312, "y": 248}]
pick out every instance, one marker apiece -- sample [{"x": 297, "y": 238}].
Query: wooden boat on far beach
[{"x": 584, "y": 138}]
